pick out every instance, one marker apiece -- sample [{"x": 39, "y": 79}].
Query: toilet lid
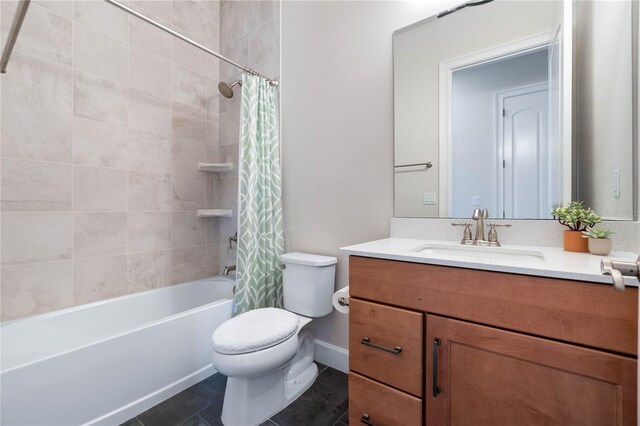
[{"x": 255, "y": 330}]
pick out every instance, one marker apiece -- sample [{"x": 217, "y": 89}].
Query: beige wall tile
[
  {"x": 149, "y": 231},
  {"x": 189, "y": 263},
  {"x": 149, "y": 72},
  {"x": 35, "y": 135},
  {"x": 102, "y": 17},
  {"x": 44, "y": 34},
  {"x": 149, "y": 113},
  {"x": 35, "y": 237},
  {"x": 189, "y": 122},
  {"x": 212, "y": 266},
  {"x": 149, "y": 270},
  {"x": 99, "y": 99},
  {"x": 35, "y": 186},
  {"x": 99, "y": 189},
  {"x": 150, "y": 38},
  {"x": 190, "y": 17},
  {"x": 149, "y": 153},
  {"x": 99, "y": 234},
  {"x": 190, "y": 57},
  {"x": 189, "y": 87},
  {"x": 99, "y": 278},
  {"x": 37, "y": 84},
  {"x": 160, "y": 10},
  {"x": 189, "y": 193},
  {"x": 232, "y": 134},
  {"x": 63, "y": 8},
  {"x": 186, "y": 155},
  {"x": 149, "y": 192},
  {"x": 36, "y": 289},
  {"x": 103, "y": 56},
  {"x": 261, "y": 45},
  {"x": 187, "y": 229},
  {"x": 213, "y": 232},
  {"x": 99, "y": 144}
]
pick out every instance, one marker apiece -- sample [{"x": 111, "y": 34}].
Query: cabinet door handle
[
  {"x": 436, "y": 388},
  {"x": 365, "y": 419},
  {"x": 396, "y": 351}
]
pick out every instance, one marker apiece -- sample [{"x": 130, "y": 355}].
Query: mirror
[{"x": 498, "y": 106}]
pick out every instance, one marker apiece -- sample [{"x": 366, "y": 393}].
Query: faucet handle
[
  {"x": 466, "y": 235},
  {"x": 493, "y": 234}
]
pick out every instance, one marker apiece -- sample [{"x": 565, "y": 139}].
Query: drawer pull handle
[
  {"x": 396, "y": 351},
  {"x": 365, "y": 419},
  {"x": 436, "y": 388}
]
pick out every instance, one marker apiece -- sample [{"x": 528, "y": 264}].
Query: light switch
[
  {"x": 429, "y": 198},
  {"x": 475, "y": 200},
  {"x": 616, "y": 183}
]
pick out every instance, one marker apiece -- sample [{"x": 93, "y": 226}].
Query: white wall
[{"x": 337, "y": 127}]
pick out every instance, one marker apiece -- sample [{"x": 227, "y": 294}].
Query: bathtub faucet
[{"x": 228, "y": 269}]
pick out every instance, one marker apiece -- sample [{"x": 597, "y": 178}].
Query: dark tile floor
[{"x": 323, "y": 404}]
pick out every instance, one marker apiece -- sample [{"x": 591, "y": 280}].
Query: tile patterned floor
[{"x": 324, "y": 404}]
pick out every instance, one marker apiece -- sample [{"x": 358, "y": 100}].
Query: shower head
[{"x": 227, "y": 90}]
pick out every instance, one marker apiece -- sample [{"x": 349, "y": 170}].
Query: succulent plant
[
  {"x": 576, "y": 216},
  {"x": 597, "y": 234}
]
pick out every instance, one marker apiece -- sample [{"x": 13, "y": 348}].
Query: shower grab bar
[{"x": 16, "y": 24}]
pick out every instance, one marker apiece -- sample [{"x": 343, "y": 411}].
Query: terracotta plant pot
[
  {"x": 600, "y": 246},
  {"x": 573, "y": 241}
]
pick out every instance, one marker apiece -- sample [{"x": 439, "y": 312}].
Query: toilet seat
[{"x": 255, "y": 331}]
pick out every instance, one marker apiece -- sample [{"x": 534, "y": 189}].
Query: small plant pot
[
  {"x": 573, "y": 241},
  {"x": 600, "y": 246}
]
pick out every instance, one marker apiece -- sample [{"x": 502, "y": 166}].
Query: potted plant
[
  {"x": 599, "y": 241},
  {"x": 577, "y": 218}
]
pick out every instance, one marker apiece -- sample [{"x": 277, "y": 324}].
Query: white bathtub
[{"x": 105, "y": 362}]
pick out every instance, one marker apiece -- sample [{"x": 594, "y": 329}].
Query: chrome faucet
[
  {"x": 479, "y": 216},
  {"x": 228, "y": 269}
]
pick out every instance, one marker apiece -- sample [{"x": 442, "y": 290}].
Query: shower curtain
[{"x": 260, "y": 229}]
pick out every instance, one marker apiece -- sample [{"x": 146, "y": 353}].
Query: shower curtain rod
[{"x": 24, "y": 4}]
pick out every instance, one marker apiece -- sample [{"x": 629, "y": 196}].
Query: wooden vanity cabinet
[{"x": 497, "y": 349}]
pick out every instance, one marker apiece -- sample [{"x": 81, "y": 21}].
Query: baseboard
[
  {"x": 332, "y": 355},
  {"x": 129, "y": 411}
]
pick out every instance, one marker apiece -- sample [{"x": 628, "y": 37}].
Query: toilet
[{"x": 267, "y": 354}]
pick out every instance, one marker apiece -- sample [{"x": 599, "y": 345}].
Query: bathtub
[{"x": 105, "y": 362}]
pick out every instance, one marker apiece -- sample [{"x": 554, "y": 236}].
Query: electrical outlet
[
  {"x": 475, "y": 200},
  {"x": 616, "y": 183},
  {"x": 429, "y": 198}
]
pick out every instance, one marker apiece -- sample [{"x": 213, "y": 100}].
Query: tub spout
[{"x": 228, "y": 269}]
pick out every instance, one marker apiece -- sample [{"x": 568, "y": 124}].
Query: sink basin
[{"x": 481, "y": 253}]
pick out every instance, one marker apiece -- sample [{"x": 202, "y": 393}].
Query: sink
[{"x": 480, "y": 253}]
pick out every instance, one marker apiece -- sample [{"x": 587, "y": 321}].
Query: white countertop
[{"x": 544, "y": 262}]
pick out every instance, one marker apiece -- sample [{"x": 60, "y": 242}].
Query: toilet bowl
[{"x": 267, "y": 354}]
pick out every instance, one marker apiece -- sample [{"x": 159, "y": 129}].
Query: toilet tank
[{"x": 308, "y": 281}]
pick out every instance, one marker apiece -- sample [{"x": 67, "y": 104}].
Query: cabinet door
[{"x": 478, "y": 375}]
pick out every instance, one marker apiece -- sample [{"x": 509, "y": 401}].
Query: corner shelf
[
  {"x": 215, "y": 167},
  {"x": 214, "y": 213}
]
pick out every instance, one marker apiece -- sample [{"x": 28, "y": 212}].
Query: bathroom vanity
[{"x": 442, "y": 338}]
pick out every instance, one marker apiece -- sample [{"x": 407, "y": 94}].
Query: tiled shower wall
[
  {"x": 103, "y": 122},
  {"x": 249, "y": 34}
]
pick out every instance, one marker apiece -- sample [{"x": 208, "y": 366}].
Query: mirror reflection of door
[
  {"x": 522, "y": 138},
  {"x": 502, "y": 157}
]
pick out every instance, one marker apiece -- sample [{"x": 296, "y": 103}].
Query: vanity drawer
[
  {"x": 573, "y": 311},
  {"x": 381, "y": 405},
  {"x": 385, "y": 343}
]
